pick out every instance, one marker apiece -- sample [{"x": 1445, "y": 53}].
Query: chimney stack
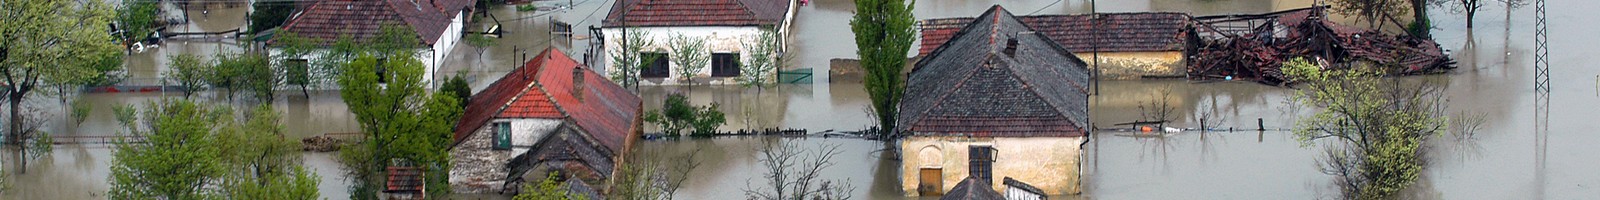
[
  {"x": 577, "y": 83},
  {"x": 1011, "y": 47}
]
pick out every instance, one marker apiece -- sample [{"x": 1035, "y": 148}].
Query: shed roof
[
  {"x": 326, "y": 21},
  {"x": 1119, "y": 32},
  {"x": 643, "y": 13},
  {"x": 972, "y": 189},
  {"x": 542, "y": 89},
  {"x": 969, "y": 86}
]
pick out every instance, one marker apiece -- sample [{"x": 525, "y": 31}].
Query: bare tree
[
  {"x": 654, "y": 179},
  {"x": 793, "y": 173},
  {"x": 1158, "y": 110}
]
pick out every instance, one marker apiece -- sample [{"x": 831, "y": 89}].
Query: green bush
[
  {"x": 527, "y": 7},
  {"x": 676, "y": 115}
]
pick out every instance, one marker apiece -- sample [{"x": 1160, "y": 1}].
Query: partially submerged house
[
  {"x": 550, "y": 115},
  {"x": 1130, "y": 45},
  {"x": 726, "y": 25},
  {"x": 436, "y": 23},
  {"x": 997, "y": 100}
]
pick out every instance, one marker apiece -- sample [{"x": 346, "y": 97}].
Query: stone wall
[
  {"x": 478, "y": 168},
  {"x": 1049, "y": 163}
]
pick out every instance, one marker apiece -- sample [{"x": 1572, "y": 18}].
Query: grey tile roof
[
  {"x": 970, "y": 86},
  {"x": 972, "y": 189}
]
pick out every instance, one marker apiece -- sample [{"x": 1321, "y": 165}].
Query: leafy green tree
[
  {"x": 1379, "y": 125},
  {"x": 676, "y": 115},
  {"x": 227, "y": 73},
  {"x": 760, "y": 70},
  {"x": 627, "y": 60},
  {"x": 195, "y": 151},
  {"x": 297, "y": 70},
  {"x": 177, "y": 157},
  {"x": 548, "y": 189},
  {"x": 137, "y": 19},
  {"x": 265, "y": 161},
  {"x": 269, "y": 14},
  {"x": 457, "y": 86},
  {"x": 188, "y": 72},
  {"x": 883, "y": 32},
  {"x": 480, "y": 42},
  {"x": 259, "y": 76},
  {"x": 80, "y": 110},
  {"x": 41, "y": 46},
  {"x": 689, "y": 54},
  {"x": 401, "y": 120}
]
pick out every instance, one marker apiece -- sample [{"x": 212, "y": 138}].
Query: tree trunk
[
  {"x": 15, "y": 129},
  {"x": 1471, "y": 13}
]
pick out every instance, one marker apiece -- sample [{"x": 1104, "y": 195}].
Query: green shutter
[{"x": 502, "y": 135}]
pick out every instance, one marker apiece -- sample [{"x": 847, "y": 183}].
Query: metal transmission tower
[{"x": 1541, "y": 68}]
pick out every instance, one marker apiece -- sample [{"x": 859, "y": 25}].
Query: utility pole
[{"x": 1094, "y": 26}]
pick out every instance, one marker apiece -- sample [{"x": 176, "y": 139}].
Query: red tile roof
[
  {"x": 637, "y": 13},
  {"x": 1120, "y": 32},
  {"x": 404, "y": 179},
  {"x": 542, "y": 89},
  {"x": 326, "y": 21}
]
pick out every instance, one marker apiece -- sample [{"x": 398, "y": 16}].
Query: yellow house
[{"x": 998, "y": 100}]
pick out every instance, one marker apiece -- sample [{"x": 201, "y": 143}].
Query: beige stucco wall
[
  {"x": 1133, "y": 65},
  {"x": 1049, "y": 163}
]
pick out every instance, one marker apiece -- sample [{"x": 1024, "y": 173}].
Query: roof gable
[
  {"x": 971, "y": 86},
  {"x": 641, "y": 13},
  {"x": 542, "y": 88}
]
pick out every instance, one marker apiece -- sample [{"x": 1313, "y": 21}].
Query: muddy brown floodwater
[{"x": 1506, "y": 160}]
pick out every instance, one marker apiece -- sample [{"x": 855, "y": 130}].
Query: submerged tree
[
  {"x": 689, "y": 55},
  {"x": 883, "y": 32},
  {"x": 137, "y": 19},
  {"x": 187, "y": 150},
  {"x": 677, "y": 115},
  {"x": 1373, "y": 11},
  {"x": 188, "y": 72},
  {"x": 790, "y": 171},
  {"x": 628, "y": 60},
  {"x": 47, "y": 41},
  {"x": 401, "y": 122},
  {"x": 1379, "y": 125},
  {"x": 764, "y": 60}
]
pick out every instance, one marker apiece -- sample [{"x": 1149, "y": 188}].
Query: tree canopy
[
  {"x": 187, "y": 148},
  {"x": 400, "y": 120},
  {"x": 883, "y": 32},
  {"x": 46, "y": 41}
]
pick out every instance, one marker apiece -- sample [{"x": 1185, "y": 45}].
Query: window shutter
[{"x": 502, "y": 136}]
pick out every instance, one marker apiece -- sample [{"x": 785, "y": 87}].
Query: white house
[
  {"x": 437, "y": 24},
  {"x": 726, "y": 24}
]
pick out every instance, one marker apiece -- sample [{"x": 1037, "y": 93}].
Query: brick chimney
[{"x": 577, "y": 83}]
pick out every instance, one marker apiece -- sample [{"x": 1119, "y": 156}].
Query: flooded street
[{"x": 1506, "y": 160}]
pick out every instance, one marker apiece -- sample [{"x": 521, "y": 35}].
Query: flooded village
[{"x": 1001, "y": 99}]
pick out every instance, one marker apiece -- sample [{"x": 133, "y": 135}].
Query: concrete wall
[
  {"x": 719, "y": 39},
  {"x": 478, "y": 168},
  {"x": 1049, "y": 163},
  {"x": 1133, "y": 65}
]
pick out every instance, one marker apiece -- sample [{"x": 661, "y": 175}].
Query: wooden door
[{"x": 930, "y": 182}]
